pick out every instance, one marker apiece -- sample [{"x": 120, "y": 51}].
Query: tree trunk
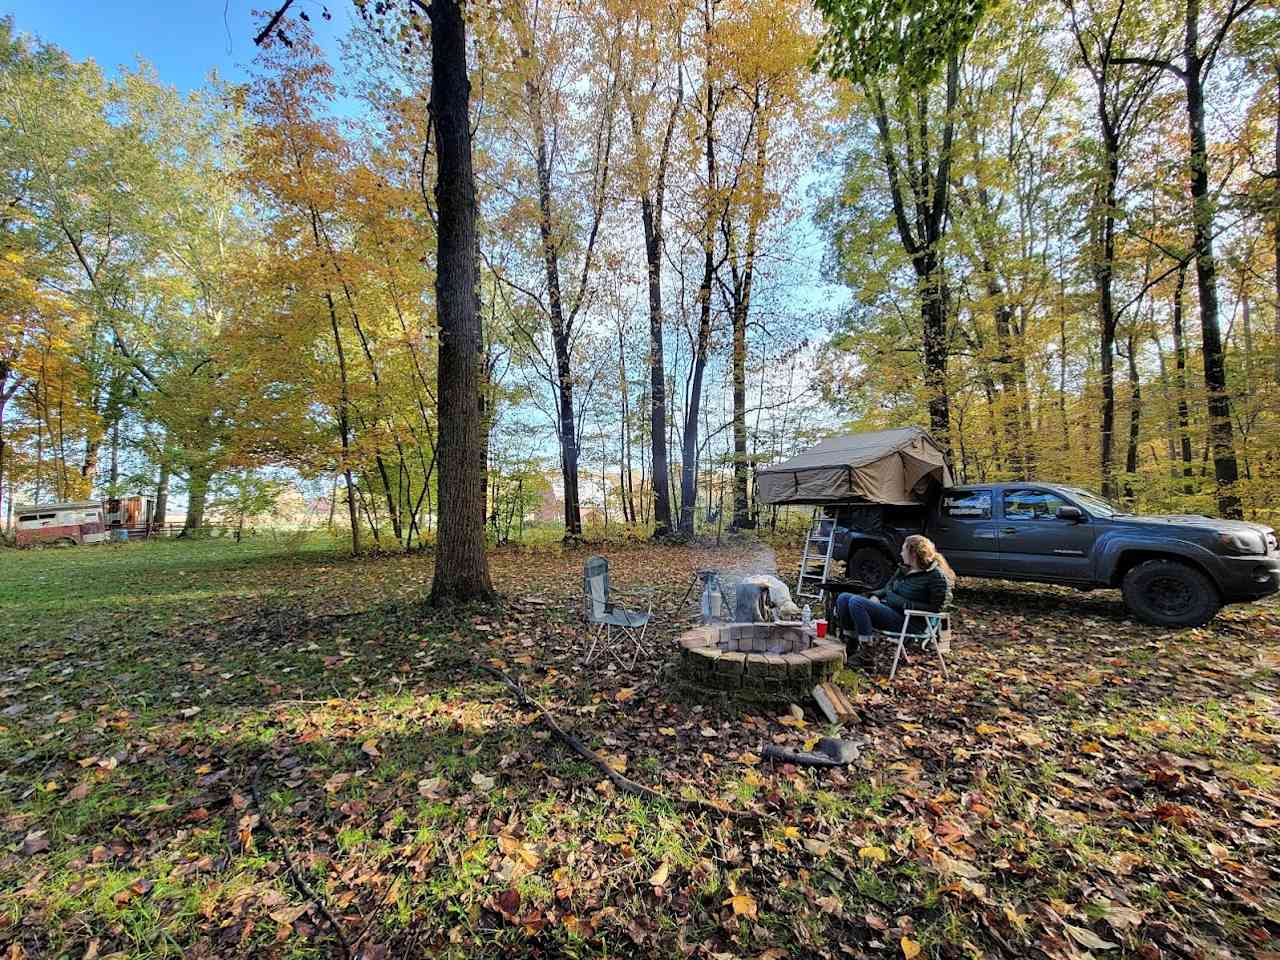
[
  {"x": 1103, "y": 275},
  {"x": 566, "y": 423},
  {"x": 741, "y": 308},
  {"x": 1135, "y": 422},
  {"x": 1180, "y": 384},
  {"x": 628, "y": 485},
  {"x": 1010, "y": 403},
  {"x": 933, "y": 314},
  {"x": 160, "y": 512},
  {"x": 344, "y": 427},
  {"x": 1221, "y": 434},
  {"x": 462, "y": 568},
  {"x": 1275, "y": 226},
  {"x": 197, "y": 492},
  {"x": 689, "y": 446},
  {"x": 652, "y": 205},
  {"x": 657, "y": 374}
]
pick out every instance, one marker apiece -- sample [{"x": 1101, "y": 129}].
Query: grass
[{"x": 1076, "y": 768}]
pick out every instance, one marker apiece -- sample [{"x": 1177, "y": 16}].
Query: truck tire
[
  {"x": 870, "y": 565},
  {"x": 1168, "y": 593}
]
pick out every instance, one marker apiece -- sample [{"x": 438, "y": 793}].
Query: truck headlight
[{"x": 1243, "y": 543}]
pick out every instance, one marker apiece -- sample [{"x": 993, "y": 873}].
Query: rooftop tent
[{"x": 886, "y": 466}]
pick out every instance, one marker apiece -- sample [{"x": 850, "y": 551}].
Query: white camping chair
[
  {"x": 925, "y": 627},
  {"x": 606, "y": 617}
]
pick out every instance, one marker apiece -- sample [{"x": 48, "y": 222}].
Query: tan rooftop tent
[{"x": 887, "y": 466}]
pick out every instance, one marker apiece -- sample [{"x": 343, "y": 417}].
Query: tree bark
[
  {"x": 1275, "y": 225},
  {"x": 161, "y": 509},
  {"x": 652, "y": 200},
  {"x": 1221, "y": 435},
  {"x": 344, "y": 427},
  {"x": 1180, "y": 382},
  {"x": 566, "y": 423},
  {"x": 922, "y": 232},
  {"x": 197, "y": 493},
  {"x": 689, "y": 444},
  {"x": 1135, "y": 421},
  {"x": 462, "y": 568},
  {"x": 742, "y": 283}
]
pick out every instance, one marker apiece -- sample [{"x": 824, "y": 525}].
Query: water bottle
[
  {"x": 708, "y": 598},
  {"x": 806, "y": 616}
]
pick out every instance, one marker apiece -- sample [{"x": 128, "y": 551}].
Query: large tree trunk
[
  {"x": 1180, "y": 382},
  {"x": 923, "y": 230},
  {"x": 933, "y": 315},
  {"x": 1103, "y": 275},
  {"x": 1221, "y": 434},
  {"x": 197, "y": 493},
  {"x": 462, "y": 568},
  {"x": 657, "y": 373}
]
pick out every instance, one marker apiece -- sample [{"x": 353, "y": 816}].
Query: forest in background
[{"x": 1059, "y": 245}]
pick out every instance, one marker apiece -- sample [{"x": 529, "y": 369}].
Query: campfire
[{"x": 770, "y": 661}]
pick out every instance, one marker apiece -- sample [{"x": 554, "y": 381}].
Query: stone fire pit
[{"x": 762, "y": 660}]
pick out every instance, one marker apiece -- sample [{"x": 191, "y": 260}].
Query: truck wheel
[
  {"x": 1170, "y": 594},
  {"x": 871, "y": 566}
]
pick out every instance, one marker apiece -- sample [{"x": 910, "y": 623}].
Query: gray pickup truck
[{"x": 1174, "y": 571}]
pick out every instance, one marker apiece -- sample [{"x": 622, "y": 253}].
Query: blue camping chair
[{"x": 607, "y": 618}]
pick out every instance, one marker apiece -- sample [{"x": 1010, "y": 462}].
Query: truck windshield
[{"x": 1092, "y": 502}]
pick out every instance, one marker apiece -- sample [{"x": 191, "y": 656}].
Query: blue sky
[{"x": 183, "y": 39}]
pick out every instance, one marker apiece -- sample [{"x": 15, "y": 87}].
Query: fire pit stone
[{"x": 778, "y": 661}]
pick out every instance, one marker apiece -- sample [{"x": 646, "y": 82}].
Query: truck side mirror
[{"x": 1073, "y": 514}]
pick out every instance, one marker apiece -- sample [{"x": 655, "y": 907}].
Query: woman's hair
[{"x": 922, "y": 550}]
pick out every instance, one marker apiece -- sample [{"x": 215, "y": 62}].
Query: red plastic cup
[{"x": 822, "y": 628}]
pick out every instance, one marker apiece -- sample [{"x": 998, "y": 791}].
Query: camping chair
[
  {"x": 931, "y": 630},
  {"x": 606, "y": 617}
]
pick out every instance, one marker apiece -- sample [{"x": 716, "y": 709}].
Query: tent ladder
[{"x": 815, "y": 564}]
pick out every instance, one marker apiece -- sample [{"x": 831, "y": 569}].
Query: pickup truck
[{"x": 1174, "y": 571}]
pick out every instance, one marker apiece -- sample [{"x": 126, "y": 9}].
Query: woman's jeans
[{"x": 865, "y": 615}]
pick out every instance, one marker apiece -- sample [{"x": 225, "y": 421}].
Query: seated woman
[{"x": 923, "y": 582}]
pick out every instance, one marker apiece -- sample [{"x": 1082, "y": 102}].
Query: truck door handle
[{"x": 1009, "y": 530}]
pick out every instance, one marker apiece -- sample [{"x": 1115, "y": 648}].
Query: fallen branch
[
  {"x": 625, "y": 784},
  {"x": 294, "y": 875}
]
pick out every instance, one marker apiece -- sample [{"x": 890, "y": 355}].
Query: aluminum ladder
[{"x": 815, "y": 564}]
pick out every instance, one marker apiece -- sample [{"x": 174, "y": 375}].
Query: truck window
[
  {"x": 27, "y": 518},
  {"x": 967, "y": 505},
  {"x": 1031, "y": 505}
]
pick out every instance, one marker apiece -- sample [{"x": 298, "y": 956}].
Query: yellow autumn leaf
[
  {"x": 986, "y": 729},
  {"x": 910, "y": 949},
  {"x": 660, "y": 875},
  {"x": 744, "y": 905},
  {"x": 878, "y": 854}
]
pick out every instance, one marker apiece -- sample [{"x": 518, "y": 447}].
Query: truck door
[
  {"x": 1035, "y": 544},
  {"x": 965, "y": 532}
]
